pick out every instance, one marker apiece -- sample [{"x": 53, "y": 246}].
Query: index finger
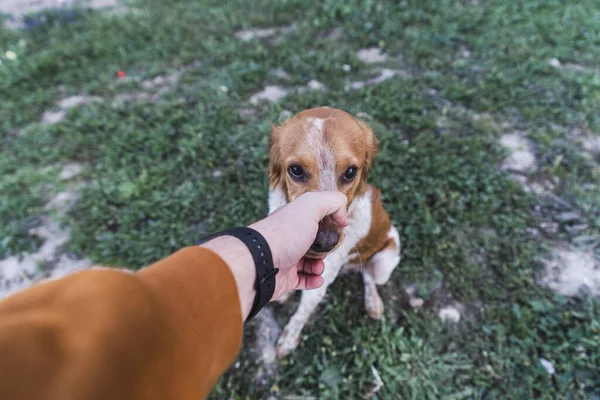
[{"x": 330, "y": 203}]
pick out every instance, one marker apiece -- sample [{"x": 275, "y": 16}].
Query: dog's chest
[
  {"x": 360, "y": 213},
  {"x": 360, "y": 223}
]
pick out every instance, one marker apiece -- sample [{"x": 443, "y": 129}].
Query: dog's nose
[{"x": 325, "y": 241}]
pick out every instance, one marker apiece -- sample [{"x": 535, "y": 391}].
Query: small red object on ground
[{"x": 121, "y": 74}]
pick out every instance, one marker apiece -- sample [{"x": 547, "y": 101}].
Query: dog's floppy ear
[
  {"x": 274, "y": 157},
  {"x": 372, "y": 143},
  {"x": 371, "y": 151}
]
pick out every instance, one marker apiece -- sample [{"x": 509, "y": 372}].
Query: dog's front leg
[{"x": 289, "y": 339}]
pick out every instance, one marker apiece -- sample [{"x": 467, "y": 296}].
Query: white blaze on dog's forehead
[
  {"x": 317, "y": 124},
  {"x": 327, "y": 177},
  {"x": 323, "y": 153},
  {"x": 314, "y": 132}
]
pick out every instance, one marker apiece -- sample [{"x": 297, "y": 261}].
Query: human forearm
[{"x": 239, "y": 260}]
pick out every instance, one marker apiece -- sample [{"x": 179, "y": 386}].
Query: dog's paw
[
  {"x": 287, "y": 343},
  {"x": 374, "y": 305}
]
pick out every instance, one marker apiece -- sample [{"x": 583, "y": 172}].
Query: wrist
[
  {"x": 270, "y": 234},
  {"x": 239, "y": 260}
]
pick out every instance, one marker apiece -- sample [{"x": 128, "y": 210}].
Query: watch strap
[{"x": 263, "y": 262}]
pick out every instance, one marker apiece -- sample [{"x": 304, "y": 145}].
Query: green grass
[{"x": 151, "y": 187}]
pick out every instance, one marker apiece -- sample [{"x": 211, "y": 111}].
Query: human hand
[{"x": 291, "y": 230}]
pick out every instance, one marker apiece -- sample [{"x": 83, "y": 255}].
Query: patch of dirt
[
  {"x": 18, "y": 273},
  {"x": 591, "y": 144},
  {"x": 19, "y": 8},
  {"x": 570, "y": 272},
  {"x": 134, "y": 96},
  {"x": 102, "y": 3},
  {"x": 384, "y": 75},
  {"x": 249, "y": 34},
  {"x": 71, "y": 170},
  {"x": 521, "y": 158},
  {"x": 315, "y": 85},
  {"x": 572, "y": 67},
  {"x": 59, "y": 112},
  {"x": 162, "y": 81},
  {"x": 372, "y": 55},
  {"x": 153, "y": 89},
  {"x": 22, "y": 7},
  {"x": 260, "y": 339},
  {"x": 247, "y": 113},
  {"x": 74, "y": 101},
  {"x": 311, "y": 86},
  {"x": 267, "y": 332},
  {"x": 53, "y": 117},
  {"x": 274, "y": 93},
  {"x": 49, "y": 262},
  {"x": 264, "y": 33},
  {"x": 581, "y": 69},
  {"x": 270, "y": 94},
  {"x": 279, "y": 73}
]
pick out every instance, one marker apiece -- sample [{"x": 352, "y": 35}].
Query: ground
[{"x": 487, "y": 116}]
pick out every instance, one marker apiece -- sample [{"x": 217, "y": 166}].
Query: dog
[{"x": 323, "y": 149}]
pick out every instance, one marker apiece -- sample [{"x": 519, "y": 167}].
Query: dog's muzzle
[{"x": 325, "y": 241}]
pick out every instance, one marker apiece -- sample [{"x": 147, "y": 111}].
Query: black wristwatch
[{"x": 263, "y": 262}]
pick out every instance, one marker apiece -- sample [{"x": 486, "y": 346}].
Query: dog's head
[{"x": 321, "y": 149}]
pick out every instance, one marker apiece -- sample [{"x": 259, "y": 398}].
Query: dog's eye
[
  {"x": 350, "y": 174},
  {"x": 296, "y": 171}
]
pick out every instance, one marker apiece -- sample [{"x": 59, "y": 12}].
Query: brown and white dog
[{"x": 327, "y": 149}]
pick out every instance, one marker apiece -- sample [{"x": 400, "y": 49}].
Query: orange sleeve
[{"x": 166, "y": 332}]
